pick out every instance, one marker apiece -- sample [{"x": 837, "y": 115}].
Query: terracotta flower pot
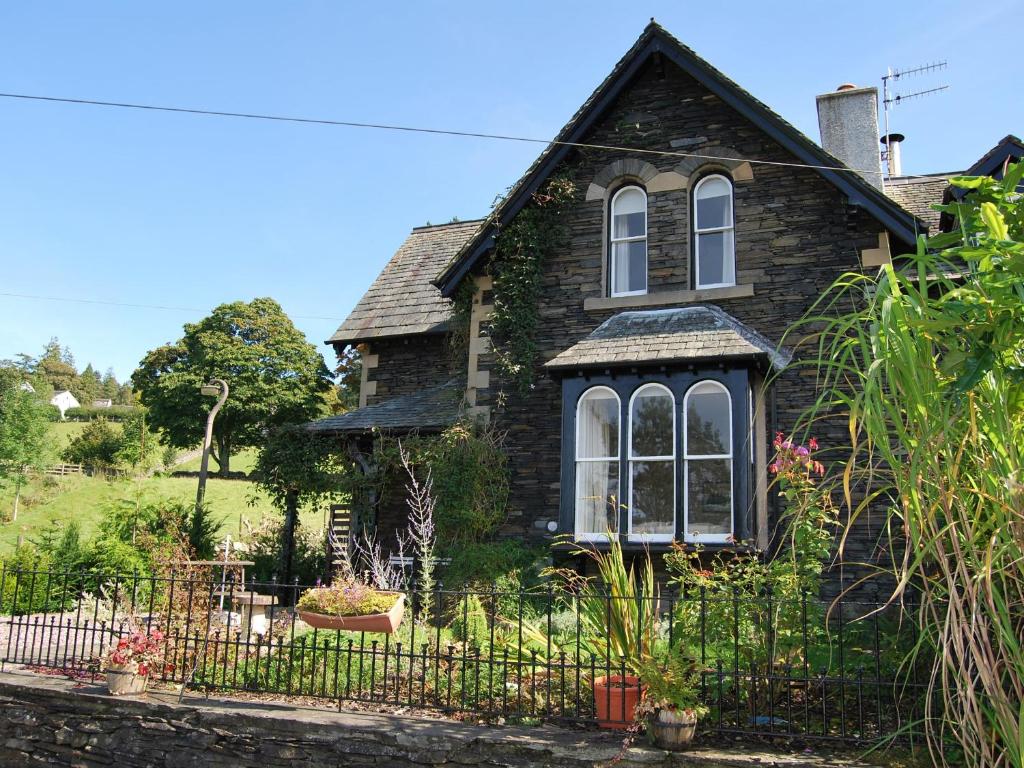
[
  {"x": 673, "y": 729},
  {"x": 125, "y": 681},
  {"x": 615, "y": 700},
  {"x": 374, "y": 622}
]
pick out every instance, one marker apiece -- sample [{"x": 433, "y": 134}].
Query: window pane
[
  {"x": 651, "y": 422},
  {"x": 707, "y": 421},
  {"x": 653, "y": 497},
  {"x": 714, "y": 204},
  {"x": 597, "y": 494},
  {"x": 709, "y": 497},
  {"x": 629, "y": 267},
  {"x": 598, "y": 426},
  {"x": 714, "y": 250},
  {"x": 629, "y": 225}
]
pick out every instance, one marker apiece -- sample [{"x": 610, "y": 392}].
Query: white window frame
[
  {"x": 707, "y": 538},
  {"x": 651, "y": 537},
  {"x": 698, "y": 231},
  {"x": 613, "y": 241},
  {"x": 592, "y": 535}
]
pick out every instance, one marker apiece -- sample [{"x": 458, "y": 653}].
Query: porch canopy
[{"x": 428, "y": 409}]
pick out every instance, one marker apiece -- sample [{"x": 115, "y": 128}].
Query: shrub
[
  {"x": 26, "y": 585},
  {"x": 264, "y": 547},
  {"x": 482, "y": 565},
  {"x": 96, "y": 446},
  {"x": 469, "y": 624}
]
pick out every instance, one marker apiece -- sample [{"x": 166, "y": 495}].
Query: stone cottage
[{"x": 702, "y": 225}]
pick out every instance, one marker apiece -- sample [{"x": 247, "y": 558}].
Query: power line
[
  {"x": 73, "y": 300},
  {"x": 416, "y": 129}
]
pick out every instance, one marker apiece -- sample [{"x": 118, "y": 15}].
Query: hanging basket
[{"x": 374, "y": 622}]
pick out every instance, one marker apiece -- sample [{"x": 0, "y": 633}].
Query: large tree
[
  {"x": 275, "y": 377},
  {"x": 24, "y": 429}
]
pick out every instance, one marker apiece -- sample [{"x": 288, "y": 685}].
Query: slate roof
[
  {"x": 402, "y": 301},
  {"x": 656, "y": 40},
  {"x": 918, "y": 194},
  {"x": 686, "y": 334},
  {"x": 429, "y": 408}
]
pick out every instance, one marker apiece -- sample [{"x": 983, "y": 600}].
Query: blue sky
[{"x": 150, "y": 208}]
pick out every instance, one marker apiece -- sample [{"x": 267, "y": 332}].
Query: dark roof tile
[{"x": 429, "y": 408}]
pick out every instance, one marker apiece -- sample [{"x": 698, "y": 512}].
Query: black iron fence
[{"x": 794, "y": 668}]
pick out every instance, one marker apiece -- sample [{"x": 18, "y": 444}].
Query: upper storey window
[
  {"x": 628, "y": 247},
  {"x": 714, "y": 245}
]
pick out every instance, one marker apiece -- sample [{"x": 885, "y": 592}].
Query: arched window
[
  {"x": 628, "y": 242},
  {"x": 597, "y": 463},
  {"x": 713, "y": 241},
  {"x": 707, "y": 451},
  {"x": 652, "y": 463}
]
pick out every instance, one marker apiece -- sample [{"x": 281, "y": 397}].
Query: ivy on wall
[{"x": 521, "y": 248}]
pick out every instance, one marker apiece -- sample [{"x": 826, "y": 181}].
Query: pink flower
[{"x": 813, "y": 443}]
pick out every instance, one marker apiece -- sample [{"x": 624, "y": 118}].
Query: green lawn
[
  {"x": 243, "y": 461},
  {"x": 83, "y": 499}
]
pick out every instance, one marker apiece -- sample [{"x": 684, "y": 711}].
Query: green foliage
[
  {"x": 349, "y": 373},
  {"x": 481, "y": 565},
  {"x": 89, "y": 413},
  {"x": 469, "y": 623},
  {"x": 928, "y": 369},
  {"x": 618, "y": 610},
  {"x": 275, "y": 377},
  {"x": 139, "y": 448},
  {"x": 264, "y": 547},
  {"x": 520, "y": 251},
  {"x": 24, "y": 431},
  {"x": 671, "y": 680},
  {"x": 294, "y": 461},
  {"x": 766, "y": 611},
  {"x": 470, "y": 477},
  {"x": 27, "y": 588},
  {"x": 96, "y": 446}
]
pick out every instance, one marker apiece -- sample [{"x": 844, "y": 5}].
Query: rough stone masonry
[{"x": 57, "y": 722}]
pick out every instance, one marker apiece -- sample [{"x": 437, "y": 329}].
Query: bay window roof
[{"x": 681, "y": 335}]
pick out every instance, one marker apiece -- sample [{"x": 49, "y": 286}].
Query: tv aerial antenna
[{"x": 890, "y": 99}]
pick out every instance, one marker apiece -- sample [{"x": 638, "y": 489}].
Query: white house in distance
[
  {"x": 64, "y": 400},
  {"x": 103, "y": 402}
]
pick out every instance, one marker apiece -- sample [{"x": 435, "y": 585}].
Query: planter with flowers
[
  {"x": 129, "y": 663},
  {"x": 353, "y": 606},
  {"x": 670, "y": 702}
]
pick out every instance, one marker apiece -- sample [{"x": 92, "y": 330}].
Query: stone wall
[
  {"x": 51, "y": 721},
  {"x": 408, "y": 364}
]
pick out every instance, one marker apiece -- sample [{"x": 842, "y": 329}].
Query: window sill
[
  {"x": 594, "y": 303},
  {"x": 570, "y": 545}
]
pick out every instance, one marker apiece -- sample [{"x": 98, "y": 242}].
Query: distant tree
[
  {"x": 139, "y": 448},
  {"x": 276, "y": 377},
  {"x": 350, "y": 373},
  {"x": 125, "y": 395},
  {"x": 108, "y": 385},
  {"x": 88, "y": 386},
  {"x": 57, "y": 366},
  {"x": 24, "y": 429}
]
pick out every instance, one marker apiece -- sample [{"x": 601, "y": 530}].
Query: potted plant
[
  {"x": 670, "y": 702},
  {"x": 353, "y": 606},
  {"x": 129, "y": 663},
  {"x": 619, "y": 623}
]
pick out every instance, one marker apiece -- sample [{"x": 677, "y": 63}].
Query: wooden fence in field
[{"x": 64, "y": 469}]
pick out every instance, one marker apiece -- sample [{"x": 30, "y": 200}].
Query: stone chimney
[{"x": 848, "y": 120}]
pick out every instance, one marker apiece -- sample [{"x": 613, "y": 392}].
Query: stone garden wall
[{"x": 52, "y": 721}]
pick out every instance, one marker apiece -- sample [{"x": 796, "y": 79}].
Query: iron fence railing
[{"x": 794, "y": 668}]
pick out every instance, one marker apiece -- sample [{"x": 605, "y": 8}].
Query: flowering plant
[
  {"x": 347, "y": 598},
  {"x": 140, "y": 652}
]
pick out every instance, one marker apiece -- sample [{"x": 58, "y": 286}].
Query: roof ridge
[{"x": 449, "y": 224}]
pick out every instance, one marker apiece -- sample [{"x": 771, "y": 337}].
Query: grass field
[
  {"x": 243, "y": 461},
  {"x": 84, "y": 499}
]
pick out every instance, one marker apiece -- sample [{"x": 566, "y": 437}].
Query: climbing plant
[
  {"x": 469, "y": 472},
  {"x": 521, "y": 248}
]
